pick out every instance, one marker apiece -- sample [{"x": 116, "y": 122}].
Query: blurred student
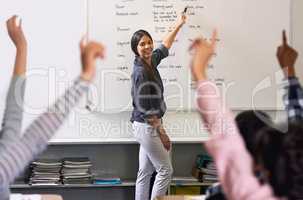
[
  {"x": 226, "y": 146},
  {"x": 293, "y": 100},
  {"x": 17, "y": 151},
  {"x": 252, "y": 121}
]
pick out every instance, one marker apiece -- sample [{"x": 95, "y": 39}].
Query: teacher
[{"x": 148, "y": 110}]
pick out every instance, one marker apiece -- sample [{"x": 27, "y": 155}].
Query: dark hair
[
  {"x": 249, "y": 123},
  {"x": 134, "y": 44},
  {"x": 282, "y": 155},
  {"x": 136, "y": 39}
]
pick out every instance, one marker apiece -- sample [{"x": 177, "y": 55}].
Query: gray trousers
[{"x": 152, "y": 157}]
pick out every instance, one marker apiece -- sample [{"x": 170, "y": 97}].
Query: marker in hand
[{"x": 185, "y": 10}]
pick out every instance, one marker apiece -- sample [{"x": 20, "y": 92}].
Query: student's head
[
  {"x": 249, "y": 123},
  {"x": 142, "y": 44},
  {"x": 281, "y": 156}
]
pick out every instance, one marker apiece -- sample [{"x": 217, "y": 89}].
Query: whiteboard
[
  {"x": 245, "y": 66},
  {"x": 246, "y": 56},
  {"x": 53, "y": 29}
]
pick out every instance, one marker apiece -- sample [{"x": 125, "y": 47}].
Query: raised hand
[
  {"x": 287, "y": 56},
  {"x": 15, "y": 32},
  {"x": 203, "y": 51},
  {"x": 90, "y": 51},
  {"x": 181, "y": 20}
]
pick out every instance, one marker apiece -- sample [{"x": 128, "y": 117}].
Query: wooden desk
[
  {"x": 178, "y": 197},
  {"x": 51, "y": 197}
]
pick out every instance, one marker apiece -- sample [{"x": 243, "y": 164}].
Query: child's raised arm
[
  {"x": 15, "y": 32},
  {"x": 287, "y": 57},
  {"x": 13, "y": 114},
  {"x": 16, "y": 153},
  {"x": 225, "y": 145}
]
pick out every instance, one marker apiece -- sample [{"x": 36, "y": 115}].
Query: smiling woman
[
  {"x": 148, "y": 110},
  {"x": 145, "y": 48}
]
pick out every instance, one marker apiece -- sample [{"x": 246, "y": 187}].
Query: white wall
[
  {"x": 298, "y": 34},
  {"x": 95, "y": 127},
  {"x": 101, "y": 127}
]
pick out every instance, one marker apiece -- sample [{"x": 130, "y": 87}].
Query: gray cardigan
[{"x": 147, "y": 93}]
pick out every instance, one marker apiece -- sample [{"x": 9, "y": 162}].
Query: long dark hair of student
[
  {"x": 134, "y": 44},
  {"x": 249, "y": 123},
  {"x": 282, "y": 155}
]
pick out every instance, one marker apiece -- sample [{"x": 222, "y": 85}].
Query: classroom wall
[
  {"x": 181, "y": 125},
  {"x": 101, "y": 127},
  {"x": 298, "y": 33},
  {"x": 83, "y": 127}
]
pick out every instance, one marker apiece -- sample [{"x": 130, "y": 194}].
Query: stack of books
[
  {"x": 209, "y": 172},
  {"x": 76, "y": 171},
  {"x": 205, "y": 169},
  {"x": 183, "y": 180},
  {"x": 45, "y": 172}
]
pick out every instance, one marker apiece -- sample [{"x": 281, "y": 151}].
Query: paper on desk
[
  {"x": 25, "y": 197},
  {"x": 194, "y": 197}
]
